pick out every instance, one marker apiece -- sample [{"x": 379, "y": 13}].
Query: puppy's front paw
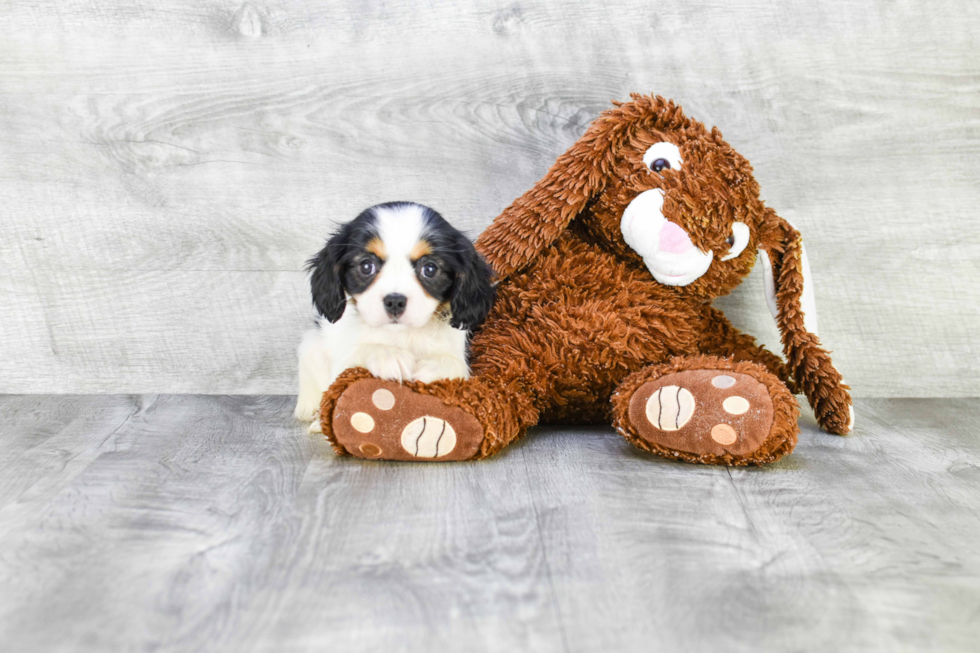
[
  {"x": 437, "y": 369},
  {"x": 307, "y": 406},
  {"x": 390, "y": 363}
]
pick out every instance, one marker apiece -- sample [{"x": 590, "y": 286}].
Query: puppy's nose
[
  {"x": 395, "y": 304},
  {"x": 673, "y": 239}
]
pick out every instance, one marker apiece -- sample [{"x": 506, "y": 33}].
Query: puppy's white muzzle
[{"x": 666, "y": 249}]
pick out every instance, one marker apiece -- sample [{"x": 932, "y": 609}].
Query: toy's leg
[
  {"x": 707, "y": 410},
  {"x": 724, "y": 340},
  {"x": 445, "y": 420}
]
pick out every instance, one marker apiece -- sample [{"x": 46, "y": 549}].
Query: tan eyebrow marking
[
  {"x": 421, "y": 249},
  {"x": 377, "y": 247}
]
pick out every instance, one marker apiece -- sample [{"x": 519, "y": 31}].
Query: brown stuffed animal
[{"x": 607, "y": 269}]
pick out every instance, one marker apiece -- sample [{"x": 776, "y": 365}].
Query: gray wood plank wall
[{"x": 167, "y": 167}]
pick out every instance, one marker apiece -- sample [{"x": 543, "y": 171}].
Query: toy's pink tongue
[{"x": 673, "y": 239}]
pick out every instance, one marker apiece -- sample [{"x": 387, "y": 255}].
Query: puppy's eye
[
  {"x": 659, "y": 165},
  {"x": 367, "y": 267},
  {"x": 730, "y": 240},
  {"x": 429, "y": 270}
]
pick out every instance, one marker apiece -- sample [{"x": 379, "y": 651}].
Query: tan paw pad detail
[
  {"x": 723, "y": 381},
  {"x": 704, "y": 412},
  {"x": 385, "y": 420},
  {"x": 370, "y": 450},
  {"x": 670, "y": 407},
  {"x": 362, "y": 422},
  {"x": 383, "y": 399},
  {"x": 723, "y": 434},
  {"x": 429, "y": 437},
  {"x": 736, "y": 405}
]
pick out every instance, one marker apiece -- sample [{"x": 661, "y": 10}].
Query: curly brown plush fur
[
  {"x": 578, "y": 312},
  {"x": 782, "y": 431}
]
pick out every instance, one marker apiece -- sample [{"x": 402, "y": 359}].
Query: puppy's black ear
[
  {"x": 473, "y": 291},
  {"x": 326, "y": 280}
]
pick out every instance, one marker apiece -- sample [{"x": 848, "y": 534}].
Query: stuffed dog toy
[{"x": 606, "y": 270}]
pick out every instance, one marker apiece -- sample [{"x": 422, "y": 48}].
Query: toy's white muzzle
[{"x": 665, "y": 247}]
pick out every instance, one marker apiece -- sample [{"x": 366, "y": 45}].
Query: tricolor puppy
[{"x": 397, "y": 290}]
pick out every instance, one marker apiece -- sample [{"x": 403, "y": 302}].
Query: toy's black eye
[
  {"x": 367, "y": 267},
  {"x": 660, "y": 164},
  {"x": 662, "y": 156},
  {"x": 730, "y": 240},
  {"x": 429, "y": 270}
]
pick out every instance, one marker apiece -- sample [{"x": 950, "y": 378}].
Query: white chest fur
[{"x": 427, "y": 353}]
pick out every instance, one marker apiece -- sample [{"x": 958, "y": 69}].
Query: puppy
[{"x": 397, "y": 290}]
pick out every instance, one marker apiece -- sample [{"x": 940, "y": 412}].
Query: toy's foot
[
  {"x": 722, "y": 413},
  {"x": 385, "y": 420}
]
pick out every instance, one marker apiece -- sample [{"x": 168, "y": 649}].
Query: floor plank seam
[
  {"x": 741, "y": 503},
  {"x": 544, "y": 553}
]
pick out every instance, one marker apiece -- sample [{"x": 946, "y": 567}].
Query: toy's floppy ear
[
  {"x": 536, "y": 219},
  {"x": 326, "y": 280},
  {"x": 789, "y": 293}
]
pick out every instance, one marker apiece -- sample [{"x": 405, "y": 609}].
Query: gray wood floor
[{"x": 202, "y": 523}]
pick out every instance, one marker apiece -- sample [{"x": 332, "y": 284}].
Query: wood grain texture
[
  {"x": 216, "y": 523},
  {"x": 167, "y": 167}
]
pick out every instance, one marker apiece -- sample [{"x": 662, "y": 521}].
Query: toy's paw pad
[
  {"x": 384, "y": 420},
  {"x": 703, "y": 412}
]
